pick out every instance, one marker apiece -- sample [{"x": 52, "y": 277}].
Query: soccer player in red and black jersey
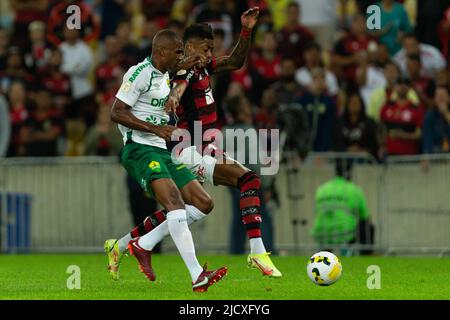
[{"x": 192, "y": 100}]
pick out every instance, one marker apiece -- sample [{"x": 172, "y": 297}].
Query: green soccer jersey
[
  {"x": 145, "y": 89},
  {"x": 340, "y": 204}
]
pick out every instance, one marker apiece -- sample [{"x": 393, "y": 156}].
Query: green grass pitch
[{"x": 45, "y": 277}]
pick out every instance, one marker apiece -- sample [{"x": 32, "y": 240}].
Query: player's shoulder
[
  {"x": 184, "y": 74},
  {"x": 140, "y": 70}
]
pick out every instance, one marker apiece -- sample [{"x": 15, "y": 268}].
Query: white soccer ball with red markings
[{"x": 324, "y": 268}]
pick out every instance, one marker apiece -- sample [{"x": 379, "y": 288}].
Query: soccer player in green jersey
[
  {"x": 192, "y": 90},
  {"x": 139, "y": 111}
]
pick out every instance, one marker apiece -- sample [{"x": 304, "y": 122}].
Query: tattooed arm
[{"x": 237, "y": 58}]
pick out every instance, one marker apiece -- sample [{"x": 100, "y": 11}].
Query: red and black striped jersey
[{"x": 197, "y": 102}]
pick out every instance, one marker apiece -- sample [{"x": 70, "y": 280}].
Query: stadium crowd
[{"x": 315, "y": 71}]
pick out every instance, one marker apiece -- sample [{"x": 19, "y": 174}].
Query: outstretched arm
[{"x": 237, "y": 58}]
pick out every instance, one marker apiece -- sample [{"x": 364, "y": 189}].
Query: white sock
[
  {"x": 257, "y": 246},
  {"x": 123, "y": 242},
  {"x": 181, "y": 235},
  {"x": 151, "y": 239},
  {"x": 194, "y": 214}
]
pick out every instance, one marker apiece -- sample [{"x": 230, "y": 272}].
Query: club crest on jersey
[{"x": 155, "y": 166}]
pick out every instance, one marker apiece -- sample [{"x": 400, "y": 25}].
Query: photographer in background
[{"x": 436, "y": 126}]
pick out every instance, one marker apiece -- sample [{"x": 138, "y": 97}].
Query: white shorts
[{"x": 201, "y": 166}]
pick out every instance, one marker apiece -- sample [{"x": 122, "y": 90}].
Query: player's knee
[
  {"x": 204, "y": 203},
  {"x": 173, "y": 200}
]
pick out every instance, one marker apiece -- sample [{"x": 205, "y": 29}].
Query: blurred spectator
[
  {"x": 287, "y": 89},
  {"x": 265, "y": 24},
  {"x": 394, "y": 24},
  {"x": 320, "y": 16},
  {"x": 7, "y": 16},
  {"x": 19, "y": 112},
  {"x": 355, "y": 132},
  {"x": 265, "y": 65},
  {"x": 321, "y": 111},
  {"x": 77, "y": 62},
  {"x": 424, "y": 86},
  {"x": 444, "y": 34},
  {"x": 181, "y": 10},
  {"x": 109, "y": 73},
  {"x": 432, "y": 59},
  {"x": 145, "y": 44},
  {"x": 158, "y": 10},
  {"x": 312, "y": 57},
  {"x": 342, "y": 216},
  {"x": 15, "y": 70},
  {"x": 4, "y": 45},
  {"x": 241, "y": 112},
  {"x": 436, "y": 126},
  {"x": 386, "y": 94},
  {"x": 278, "y": 9},
  {"x": 402, "y": 122},
  {"x": 293, "y": 37},
  {"x": 178, "y": 27},
  {"x": 220, "y": 81},
  {"x": 56, "y": 26},
  {"x": 214, "y": 13},
  {"x": 103, "y": 138},
  {"x": 5, "y": 126},
  {"x": 115, "y": 11},
  {"x": 37, "y": 54},
  {"x": 369, "y": 76},
  {"x": 428, "y": 19},
  {"x": 130, "y": 52},
  {"x": 344, "y": 59},
  {"x": 45, "y": 124},
  {"x": 26, "y": 11},
  {"x": 266, "y": 117},
  {"x": 137, "y": 19},
  {"x": 380, "y": 54},
  {"x": 56, "y": 82}
]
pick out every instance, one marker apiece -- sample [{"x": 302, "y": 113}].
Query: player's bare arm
[
  {"x": 175, "y": 95},
  {"x": 239, "y": 54},
  {"x": 121, "y": 113}
]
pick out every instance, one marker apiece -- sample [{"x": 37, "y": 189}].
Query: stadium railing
[{"x": 80, "y": 202}]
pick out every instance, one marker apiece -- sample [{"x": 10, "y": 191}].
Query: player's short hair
[
  {"x": 163, "y": 36},
  {"x": 198, "y": 31}
]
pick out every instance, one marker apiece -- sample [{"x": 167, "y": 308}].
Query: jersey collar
[{"x": 149, "y": 60}]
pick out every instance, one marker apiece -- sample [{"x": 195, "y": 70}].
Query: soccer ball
[{"x": 324, "y": 268}]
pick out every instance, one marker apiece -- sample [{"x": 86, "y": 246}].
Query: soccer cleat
[
  {"x": 264, "y": 264},
  {"x": 144, "y": 258},
  {"x": 111, "y": 247},
  {"x": 208, "y": 278}
]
